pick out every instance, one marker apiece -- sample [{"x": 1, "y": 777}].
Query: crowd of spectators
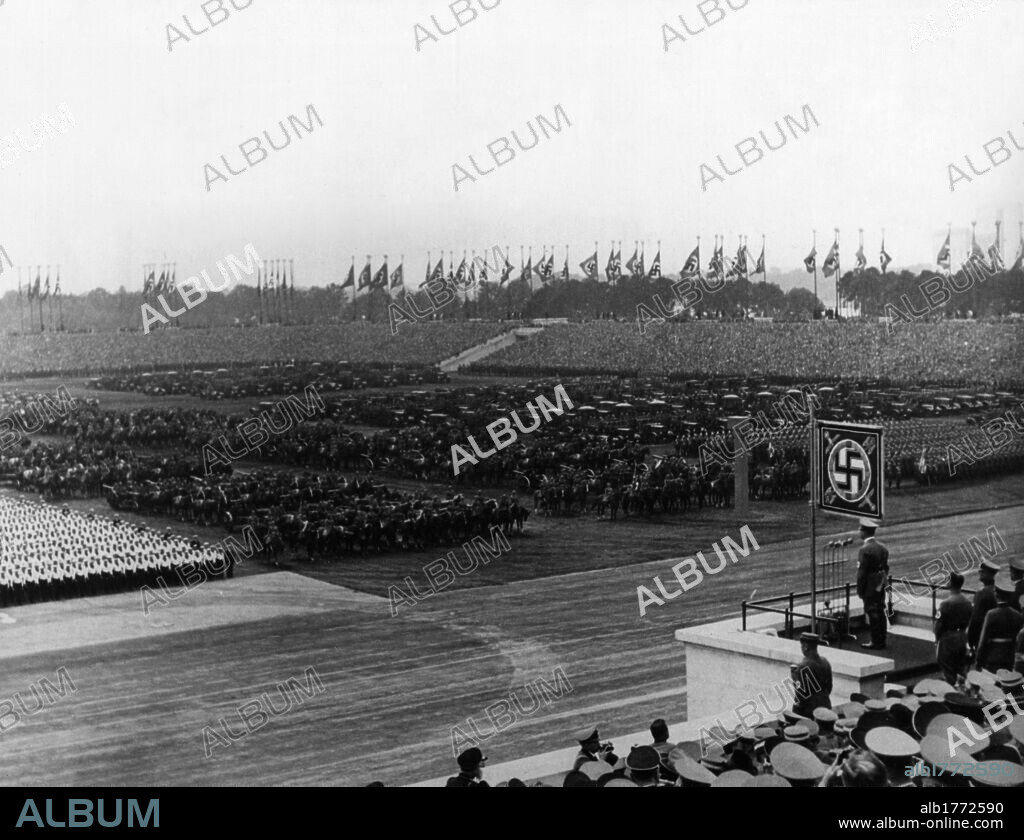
[
  {"x": 87, "y": 354},
  {"x": 266, "y": 380},
  {"x": 958, "y": 354}
]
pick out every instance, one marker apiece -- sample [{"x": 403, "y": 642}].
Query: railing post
[
  {"x": 934, "y": 589},
  {"x": 789, "y": 616},
  {"x": 744, "y": 608}
]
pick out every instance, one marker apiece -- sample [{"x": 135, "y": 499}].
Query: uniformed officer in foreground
[
  {"x": 951, "y": 632},
  {"x": 812, "y": 678},
  {"x": 984, "y": 600},
  {"x": 471, "y": 769},
  {"x": 591, "y": 749},
  {"x": 999, "y": 632},
  {"x": 1017, "y": 576}
]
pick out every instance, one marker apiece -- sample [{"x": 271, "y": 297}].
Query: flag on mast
[
  {"x": 1018, "y": 263},
  {"x": 810, "y": 261},
  {"x": 942, "y": 260},
  {"x": 350, "y": 280},
  {"x": 506, "y": 272},
  {"x": 717, "y": 264},
  {"x": 631, "y": 264},
  {"x": 883, "y": 257},
  {"x": 364, "y": 276},
  {"x": 692, "y": 264},
  {"x": 397, "y": 276},
  {"x": 977, "y": 256},
  {"x": 548, "y": 270},
  {"x": 380, "y": 278},
  {"x": 589, "y": 267},
  {"x": 862, "y": 261},
  {"x": 655, "y": 271},
  {"x": 995, "y": 257},
  {"x": 611, "y": 270},
  {"x": 759, "y": 267},
  {"x": 828, "y": 268},
  {"x": 527, "y": 270}
]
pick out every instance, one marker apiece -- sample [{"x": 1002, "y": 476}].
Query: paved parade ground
[{"x": 360, "y": 695}]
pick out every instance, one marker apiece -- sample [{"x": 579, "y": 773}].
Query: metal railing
[
  {"x": 839, "y": 623},
  {"x": 934, "y": 587}
]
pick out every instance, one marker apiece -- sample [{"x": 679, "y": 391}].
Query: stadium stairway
[{"x": 492, "y": 345}]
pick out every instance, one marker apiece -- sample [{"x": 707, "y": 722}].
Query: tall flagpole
[
  {"x": 837, "y": 273},
  {"x": 814, "y": 504},
  {"x": 814, "y": 248},
  {"x": 40, "y": 299},
  {"x": 764, "y": 265},
  {"x": 60, "y": 302},
  {"x": 21, "y": 304},
  {"x": 949, "y": 256},
  {"x": 49, "y": 300},
  {"x": 355, "y": 282}
]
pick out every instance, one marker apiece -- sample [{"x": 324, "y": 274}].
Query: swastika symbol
[{"x": 849, "y": 470}]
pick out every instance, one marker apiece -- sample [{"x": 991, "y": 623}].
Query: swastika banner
[{"x": 851, "y": 463}]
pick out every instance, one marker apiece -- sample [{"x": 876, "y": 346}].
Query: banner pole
[{"x": 814, "y": 504}]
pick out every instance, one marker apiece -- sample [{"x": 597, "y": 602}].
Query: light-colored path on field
[
  {"x": 80, "y": 622},
  {"x": 492, "y": 345}
]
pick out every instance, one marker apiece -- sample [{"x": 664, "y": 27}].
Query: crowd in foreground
[{"x": 902, "y": 740}]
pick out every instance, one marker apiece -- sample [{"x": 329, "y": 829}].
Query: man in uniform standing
[
  {"x": 872, "y": 571},
  {"x": 984, "y": 600},
  {"x": 1017, "y": 576},
  {"x": 999, "y": 632},
  {"x": 951, "y": 632},
  {"x": 812, "y": 678}
]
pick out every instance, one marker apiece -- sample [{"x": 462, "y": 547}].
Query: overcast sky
[{"x": 125, "y": 185}]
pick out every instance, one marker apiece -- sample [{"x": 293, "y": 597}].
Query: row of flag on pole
[
  {"x": 273, "y": 277},
  {"x": 831, "y": 264},
  {"x": 277, "y": 277},
  {"x": 36, "y": 290},
  {"x": 153, "y": 285},
  {"x": 976, "y": 256}
]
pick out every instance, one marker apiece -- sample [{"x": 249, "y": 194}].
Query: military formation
[{"x": 49, "y": 553}]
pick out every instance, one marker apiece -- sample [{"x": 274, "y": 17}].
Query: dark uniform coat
[
  {"x": 814, "y": 675},
  {"x": 998, "y": 638},
  {"x": 984, "y": 600},
  {"x": 951, "y": 636},
  {"x": 466, "y": 780},
  {"x": 872, "y": 571}
]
